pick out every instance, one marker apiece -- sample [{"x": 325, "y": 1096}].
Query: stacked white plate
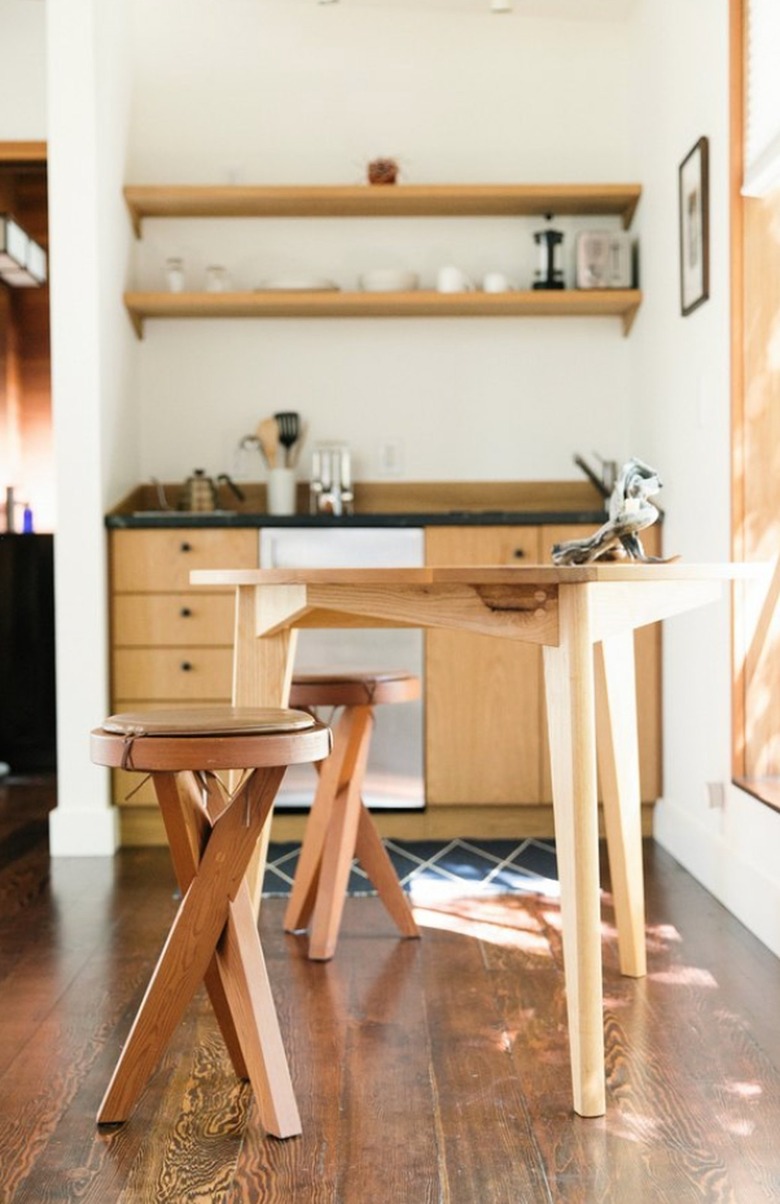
[{"x": 305, "y": 284}]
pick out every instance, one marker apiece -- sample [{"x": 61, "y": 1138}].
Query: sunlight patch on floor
[
  {"x": 684, "y": 976},
  {"x": 743, "y": 1090},
  {"x": 489, "y": 928}
]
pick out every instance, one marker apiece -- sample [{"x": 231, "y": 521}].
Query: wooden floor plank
[
  {"x": 488, "y": 1148},
  {"x": 425, "y": 1071},
  {"x": 387, "y": 1085}
]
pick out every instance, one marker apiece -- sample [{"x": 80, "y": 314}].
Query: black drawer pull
[
  {"x": 186, "y": 666},
  {"x": 519, "y": 553},
  {"x": 185, "y": 547},
  {"x": 185, "y": 612}
]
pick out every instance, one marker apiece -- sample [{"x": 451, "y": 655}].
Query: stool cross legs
[
  {"x": 214, "y": 935},
  {"x": 340, "y": 827}
]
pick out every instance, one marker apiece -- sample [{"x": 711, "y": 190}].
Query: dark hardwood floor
[{"x": 425, "y": 1071}]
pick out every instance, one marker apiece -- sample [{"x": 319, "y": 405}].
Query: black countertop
[{"x": 163, "y": 519}]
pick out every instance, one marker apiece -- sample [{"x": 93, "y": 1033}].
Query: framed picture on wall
[{"x": 694, "y": 227}]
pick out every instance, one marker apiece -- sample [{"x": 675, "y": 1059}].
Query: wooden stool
[
  {"x": 339, "y": 825},
  {"x": 212, "y": 835}
]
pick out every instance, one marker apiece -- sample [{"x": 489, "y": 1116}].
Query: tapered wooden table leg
[
  {"x": 262, "y": 671},
  {"x": 618, "y": 757},
  {"x": 569, "y": 686}
]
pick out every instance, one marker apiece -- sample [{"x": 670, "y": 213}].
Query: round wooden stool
[
  {"x": 212, "y": 834},
  {"x": 340, "y": 827}
]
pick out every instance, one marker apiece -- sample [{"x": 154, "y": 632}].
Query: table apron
[{"x": 527, "y": 613}]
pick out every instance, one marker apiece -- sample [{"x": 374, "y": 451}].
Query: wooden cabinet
[
  {"x": 483, "y": 695},
  {"x": 486, "y": 732},
  {"x": 485, "y": 740},
  {"x": 362, "y": 201},
  {"x": 169, "y": 643}
]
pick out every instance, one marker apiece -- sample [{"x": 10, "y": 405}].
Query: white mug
[
  {"x": 281, "y": 491},
  {"x": 453, "y": 280},
  {"x": 496, "y": 282}
]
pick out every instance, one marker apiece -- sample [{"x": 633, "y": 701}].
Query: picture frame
[{"x": 694, "y": 200}]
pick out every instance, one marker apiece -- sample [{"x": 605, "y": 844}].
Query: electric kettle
[{"x": 201, "y": 493}]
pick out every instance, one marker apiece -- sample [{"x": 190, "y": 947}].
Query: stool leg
[
  {"x": 188, "y": 826},
  {"x": 236, "y": 980},
  {"x": 192, "y": 940},
  {"x": 372, "y": 855},
  {"x": 245, "y": 978},
  {"x": 341, "y": 837},
  {"x": 332, "y": 777}
]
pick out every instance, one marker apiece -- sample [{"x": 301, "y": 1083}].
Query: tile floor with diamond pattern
[{"x": 436, "y": 869}]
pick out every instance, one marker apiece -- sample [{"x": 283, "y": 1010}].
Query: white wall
[
  {"x": 681, "y": 421},
  {"x": 285, "y": 90},
  {"x": 91, "y": 385},
  {"x": 281, "y": 91},
  {"x": 23, "y": 72}
]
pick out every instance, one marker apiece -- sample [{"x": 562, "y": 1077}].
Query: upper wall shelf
[{"x": 363, "y": 200}]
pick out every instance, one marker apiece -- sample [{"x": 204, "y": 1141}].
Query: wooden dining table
[{"x": 584, "y": 618}]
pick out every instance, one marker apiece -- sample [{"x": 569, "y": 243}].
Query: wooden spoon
[{"x": 268, "y": 434}]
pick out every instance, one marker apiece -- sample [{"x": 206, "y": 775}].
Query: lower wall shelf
[{"x": 621, "y": 303}]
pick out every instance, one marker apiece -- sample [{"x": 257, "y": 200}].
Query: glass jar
[{"x": 174, "y": 274}]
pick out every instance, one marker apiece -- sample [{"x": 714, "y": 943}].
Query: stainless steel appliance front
[{"x": 394, "y": 778}]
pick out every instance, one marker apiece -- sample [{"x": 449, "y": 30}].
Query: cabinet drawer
[
  {"x": 159, "y": 561},
  {"x": 176, "y": 674},
  {"x": 172, "y": 619},
  {"x": 481, "y": 545}
]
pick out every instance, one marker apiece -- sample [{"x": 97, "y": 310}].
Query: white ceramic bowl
[{"x": 388, "y": 280}]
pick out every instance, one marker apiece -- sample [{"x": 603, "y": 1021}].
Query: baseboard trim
[
  {"x": 84, "y": 833},
  {"x": 742, "y": 888},
  {"x": 143, "y": 825}
]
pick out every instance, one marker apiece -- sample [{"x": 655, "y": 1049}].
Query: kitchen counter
[
  {"x": 231, "y": 518},
  {"x": 383, "y": 504}
]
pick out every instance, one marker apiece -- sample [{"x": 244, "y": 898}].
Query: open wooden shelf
[
  {"x": 396, "y": 200},
  {"x": 364, "y": 200},
  {"x": 622, "y": 303}
]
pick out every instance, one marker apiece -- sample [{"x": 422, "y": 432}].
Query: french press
[{"x": 549, "y": 273}]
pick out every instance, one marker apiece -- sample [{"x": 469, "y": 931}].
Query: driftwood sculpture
[{"x": 630, "y": 512}]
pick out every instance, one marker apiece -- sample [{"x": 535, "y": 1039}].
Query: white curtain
[{"x": 762, "y": 107}]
